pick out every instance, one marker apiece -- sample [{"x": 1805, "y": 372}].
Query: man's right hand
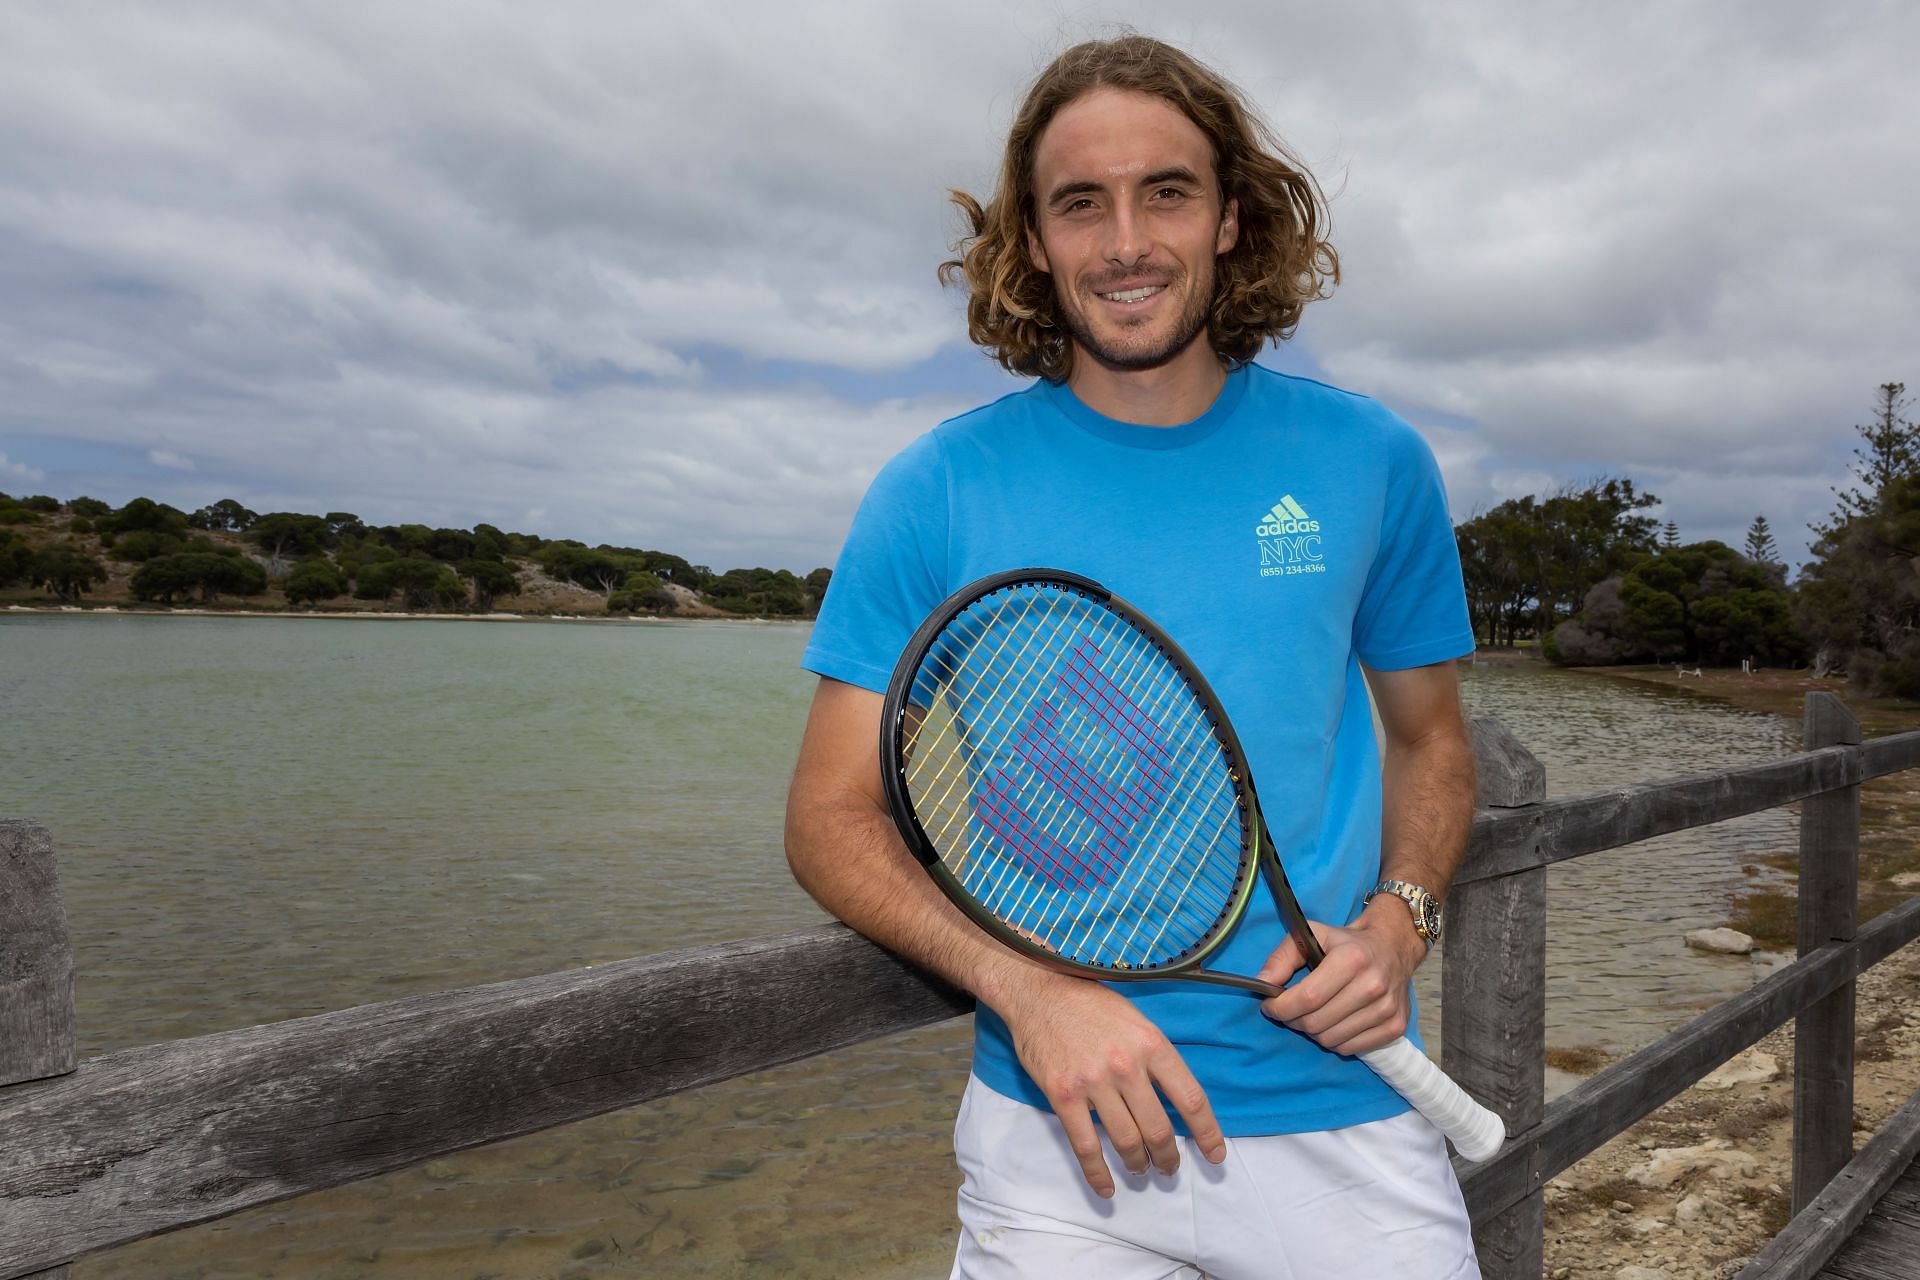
[
  {"x": 1087, "y": 1047},
  {"x": 1091, "y": 1051}
]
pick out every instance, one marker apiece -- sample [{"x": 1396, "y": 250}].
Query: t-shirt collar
[{"x": 1133, "y": 434}]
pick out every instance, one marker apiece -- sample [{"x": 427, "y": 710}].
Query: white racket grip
[{"x": 1476, "y": 1132}]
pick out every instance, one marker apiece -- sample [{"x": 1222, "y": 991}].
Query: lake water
[{"x": 263, "y": 818}]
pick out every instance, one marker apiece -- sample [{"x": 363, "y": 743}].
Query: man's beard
[{"x": 1113, "y": 355}]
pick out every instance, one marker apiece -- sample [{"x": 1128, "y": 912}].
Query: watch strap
[{"x": 1423, "y": 905}]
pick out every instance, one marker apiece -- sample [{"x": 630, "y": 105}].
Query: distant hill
[{"x": 149, "y": 555}]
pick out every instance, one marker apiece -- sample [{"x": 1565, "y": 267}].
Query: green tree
[
  {"x": 420, "y": 582},
  {"x": 641, "y": 593},
  {"x": 1531, "y": 561},
  {"x": 1670, "y": 539},
  {"x": 162, "y": 578},
  {"x": 769, "y": 592},
  {"x": 1760, "y": 548},
  {"x": 450, "y": 546},
  {"x": 288, "y": 534},
  {"x": 226, "y": 516},
  {"x": 491, "y": 579},
  {"x": 1702, "y": 602},
  {"x": 1892, "y": 453},
  {"x": 1859, "y": 598},
  {"x": 344, "y": 525},
  {"x": 212, "y": 574},
  {"x": 145, "y": 513},
  {"x": 92, "y": 508},
  {"x": 594, "y": 569},
  {"x": 65, "y": 570},
  {"x": 312, "y": 580},
  {"x": 16, "y": 559},
  {"x": 449, "y": 589},
  {"x": 144, "y": 544},
  {"x": 490, "y": 544},
  {"x": 42, "y": 503}
]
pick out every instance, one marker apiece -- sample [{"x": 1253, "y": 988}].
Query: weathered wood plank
[
  {"x": 1508, "y": 776},
  {"x": 36, "y": 958},
  {"x": 1878, "y": 1252},
  {"x": 1585, "y": 1117},
  {"x": 1493, "y": 984},
  {"x": 150, "y": 1139},
  {"x": 37, "y": 1030},
  {"x": 1823, "y": 1033},
  {"x": 1817, "y": 1232},
  {"x": 1505, "y": 841}
]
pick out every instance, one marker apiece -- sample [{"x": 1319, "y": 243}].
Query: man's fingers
[
  {"x": 1149, "y": 1128},
  {"x": 1283, "y": 963},
  {"x": 1117, "y": 1118},
  {"x": 1372, "y": 1025},
  {"x": 1190, "y": 1100},
  {"x": 1085, "y": 1140}
]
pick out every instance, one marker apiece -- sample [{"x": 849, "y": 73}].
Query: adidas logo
[{"x": 1287, "y": 517}]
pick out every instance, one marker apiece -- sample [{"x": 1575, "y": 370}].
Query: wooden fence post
[
  {"x": 1493, "y": 995},
  {"x": 1823, "y": 1033},
  {"x": 36, "y": 967}
]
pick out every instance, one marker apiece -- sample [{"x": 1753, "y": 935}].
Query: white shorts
[{"x": 1375, "y": 1201}]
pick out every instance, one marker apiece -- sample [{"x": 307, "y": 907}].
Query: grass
[{"x": 1580, "y": 1059}]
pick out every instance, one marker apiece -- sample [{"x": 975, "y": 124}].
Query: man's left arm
[{"x": 1358, "y": 998}]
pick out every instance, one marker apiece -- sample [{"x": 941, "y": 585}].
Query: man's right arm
[{"x": 1086, "y": 1047}]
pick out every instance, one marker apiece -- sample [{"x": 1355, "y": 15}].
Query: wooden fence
[{"x": 164, "y": 1136}]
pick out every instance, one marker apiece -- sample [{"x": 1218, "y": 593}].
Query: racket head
[{"x": 1068, "y": 778}]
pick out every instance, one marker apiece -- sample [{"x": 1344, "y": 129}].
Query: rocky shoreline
[{"x": 1697, "y": 1188}]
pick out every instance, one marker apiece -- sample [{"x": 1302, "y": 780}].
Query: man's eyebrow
[
  {"x": 1178, "y": 173},
  {"x": 1081, "y": 188}
]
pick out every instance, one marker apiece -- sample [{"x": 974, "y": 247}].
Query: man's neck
[{"x": 1166, "y": 396}]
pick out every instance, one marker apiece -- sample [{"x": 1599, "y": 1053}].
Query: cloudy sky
[{"x": 662, "y": 274}]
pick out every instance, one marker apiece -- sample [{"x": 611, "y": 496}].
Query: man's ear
[
  {"x": 1229, "y": 227},
  {"x": 1036, "y": 251}
]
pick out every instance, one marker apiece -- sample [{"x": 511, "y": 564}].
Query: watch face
[{"x": 1430, "y": 910}]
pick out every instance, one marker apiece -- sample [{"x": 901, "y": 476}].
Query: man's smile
[{"x": 1139, "y": 294}]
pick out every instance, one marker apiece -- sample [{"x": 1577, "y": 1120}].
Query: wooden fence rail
[{"x": 160, "y": 1137}]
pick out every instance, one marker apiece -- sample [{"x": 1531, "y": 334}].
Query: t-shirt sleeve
[
  {"x": 890, "y": 574},
  {"x": 1414, "y": 608}
]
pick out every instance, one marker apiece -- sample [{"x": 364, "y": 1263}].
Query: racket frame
[{"x": 1256, "y": 846}]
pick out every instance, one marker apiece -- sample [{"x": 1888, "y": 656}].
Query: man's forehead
[{"x": 1115, "y": 135}]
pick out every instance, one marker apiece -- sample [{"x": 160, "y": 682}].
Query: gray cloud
[{"x": 663, "y": 274}]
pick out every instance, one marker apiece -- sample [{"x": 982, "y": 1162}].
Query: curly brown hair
[{"x": 1281, "y": 262}]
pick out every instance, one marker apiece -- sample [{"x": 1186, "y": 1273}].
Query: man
[{"x": 1146, "y": 240}]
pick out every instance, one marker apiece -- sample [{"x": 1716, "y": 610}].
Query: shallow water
[{"x": 261, "y": 818}]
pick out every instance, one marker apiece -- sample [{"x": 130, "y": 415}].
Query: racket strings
[
  {"x": 1108, "y": 699},
  {"x": 1070, "y": 779}
]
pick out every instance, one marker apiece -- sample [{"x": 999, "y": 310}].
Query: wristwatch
[{"x": 1425, "y": 907}]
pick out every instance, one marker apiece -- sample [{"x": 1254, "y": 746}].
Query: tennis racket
[{"x": 1066, "y": 776}]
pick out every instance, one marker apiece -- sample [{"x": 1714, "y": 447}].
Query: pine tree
[
  {"x": 1671, "y": 538},
  {"x": 1760, "y": 548},
  {"x": 1892, "y": 452}
]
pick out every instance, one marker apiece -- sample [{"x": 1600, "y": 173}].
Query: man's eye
[{"x": 1169, "y": 193}]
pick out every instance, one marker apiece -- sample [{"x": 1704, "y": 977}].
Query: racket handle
[{"x": 1476, "y": 1132}]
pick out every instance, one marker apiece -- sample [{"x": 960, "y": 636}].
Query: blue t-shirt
[{"x": 1284, "y": 537}]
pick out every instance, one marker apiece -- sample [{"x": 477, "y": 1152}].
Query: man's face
[{"x": 1128, "y": 223}]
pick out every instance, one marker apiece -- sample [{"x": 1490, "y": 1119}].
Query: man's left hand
[{"x": 1357, "y": 999}]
